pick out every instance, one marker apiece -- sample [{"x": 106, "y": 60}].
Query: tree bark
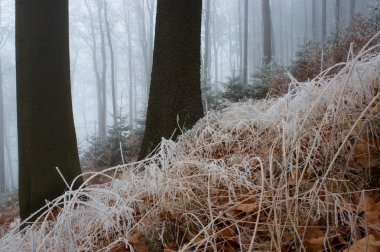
[
  {"x": 175, "y": 96},
  {"x": 46, "y": 133}
]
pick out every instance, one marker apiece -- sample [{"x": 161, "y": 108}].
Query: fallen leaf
[{"x": 367, "y": 244}]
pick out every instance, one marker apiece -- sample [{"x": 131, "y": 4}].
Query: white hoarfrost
[{"x": 267, "y": 153}]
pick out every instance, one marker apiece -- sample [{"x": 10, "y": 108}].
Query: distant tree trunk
[
  {"x": 175, "y": 95},
  {"x": 240, "y": 33},
  {"x": 144, "y": 44},
  {"x": 99, "y": 90},
  {"x": 103, "y": 53},
  {"x": 2, "y": 143},
  {"x": 324, "y": 22},
  {"x": 267, "y": 36},
  {"x": 314, "y": 20},
  {"x": 245, "y": 53},
  {"x": 2, "y": 131},
  {"x": 207, "y": 43},
  {"x": 305, "y": 37},
  {"x": 352, "y": 10},
  {"x": 337, "y": 19},
  {"x": 112, "y": 59},
  {"x": 46, "y": 134},
  {"x": 130, "y": 66}
]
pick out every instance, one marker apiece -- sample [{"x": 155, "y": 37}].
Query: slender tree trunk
[
  {"x": 46, "y": 134},
  {"x": 245, "y": 53},
  {"x": 2, "y": 163},
  {"x": 100, "y": 102},
  {"x": 2, "y": 131},
  {"x": 112, "y": 59},
  {"x": 352, "y": 10},
  {"x": 267, "y": 36},
  {"x": 175, "y": 95},
  {"x": 207, "y": 43},
  {"x": 314, "y": 20},
  {"x": 130, "y": 66},
  {"x": 337, "y": 19},
  {"x": 305, "y": 37},
  {"x": 324, "y": 9},
  {"x": 103, "y": 53},
  {"x": 240, "y": 42}
]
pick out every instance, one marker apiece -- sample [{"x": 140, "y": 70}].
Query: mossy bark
[
  {"x": 175, "y": 94},
  {"x": 46, "y": 131}
]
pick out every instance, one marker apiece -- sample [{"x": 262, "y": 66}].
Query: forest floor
[{"x": 9, "y": 212}]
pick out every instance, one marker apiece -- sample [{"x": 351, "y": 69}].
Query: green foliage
[{"x": 106, "y": 152}]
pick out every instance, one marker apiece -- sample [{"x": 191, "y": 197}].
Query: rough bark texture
[
  {"x": 267, "y": 36},
  {"x": 46, "y": 131},
  {"x": 175, "y": 94}
]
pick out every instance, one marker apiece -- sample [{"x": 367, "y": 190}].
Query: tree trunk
[
  {"x": 267, "y": 37},
  {"x": 207, "y": 44},
  {"x": 352, "y": 10},
  {"x": 2, "y": 131},
  {"x": 324, "y": 22},
  {"x": 103, "y": 79},
  {"x": 99, "y": 90},
  {"x": 112, "y": 59},
  {"x": 46, "y": 134},
  {"x": 2, "y": 143},
  {"x": 131, "y": 97},
  {"x": 240, "y": 33},
  {"x": 245, "y": 53},
  {"x": 175, "y": 96},
  {"x": 337, "y": 19},
  {"x": 314, "y": 20}
]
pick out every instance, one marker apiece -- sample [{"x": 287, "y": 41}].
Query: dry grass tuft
[{"x": 288, "y": 174}]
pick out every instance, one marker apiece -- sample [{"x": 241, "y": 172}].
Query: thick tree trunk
[
  {"x": 175, "y": 95},
  {"x": 45, "y": 120},
  {"x": 267, "y": 36}
]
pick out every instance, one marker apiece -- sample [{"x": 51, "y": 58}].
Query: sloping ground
[{"x": 293, "y": 174}]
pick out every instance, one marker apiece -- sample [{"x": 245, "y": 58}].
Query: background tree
[
  {"x": 267, "y": 37},
  {"x": 175, "y": 93},
  {"x": 3, "y": 36},
  {"x": 245, "y": 53},
  {"x": 45, "y": 121}
]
